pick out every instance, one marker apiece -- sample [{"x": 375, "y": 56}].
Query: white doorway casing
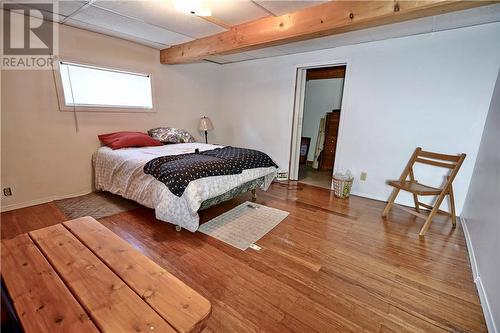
[{"x": 298, "y": 115}]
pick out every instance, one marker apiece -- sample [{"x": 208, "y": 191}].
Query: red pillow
[{"x": 128, "y": 139}]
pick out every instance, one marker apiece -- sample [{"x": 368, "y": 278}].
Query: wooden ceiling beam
[{"x": 326, "y": 19}]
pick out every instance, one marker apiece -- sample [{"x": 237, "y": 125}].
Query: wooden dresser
[{"x": 331, "y": 131}]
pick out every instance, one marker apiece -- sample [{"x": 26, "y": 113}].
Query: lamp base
[{"x": 206, "y": 136}]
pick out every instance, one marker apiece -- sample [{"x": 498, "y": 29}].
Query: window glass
[{"x": 100, "y": 87}]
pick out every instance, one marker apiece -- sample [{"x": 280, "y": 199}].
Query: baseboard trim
[
  {"x": 488, "y": 313},
  {"x": 368, "y": 196},
  {"x": 40, "y": 201},
  {"x": 470, "y": 249}
]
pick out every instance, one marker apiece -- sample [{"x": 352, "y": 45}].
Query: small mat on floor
[
  {"x": 243, "y": 225},
  {"x": 96, "y": 204}
]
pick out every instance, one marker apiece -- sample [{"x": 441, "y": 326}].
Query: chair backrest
[
  {"x": 452, "y": 162},
  {"x": 439, "y": 160}
]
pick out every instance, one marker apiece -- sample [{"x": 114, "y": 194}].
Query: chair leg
[
  {"x": 390, "y": 201},
  {"x": 431, "y": 215},
  {"x": 415, "y": 197},
  {"x": 452, "y": 207},
  {"x": 415, "y": 200}
]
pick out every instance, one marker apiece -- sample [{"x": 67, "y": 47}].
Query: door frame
[{"x": 298, "y": 114}]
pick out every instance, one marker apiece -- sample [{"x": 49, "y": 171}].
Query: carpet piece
[
  {"x": 243, "y": 225},
  {"x": 96, "y": 204}
]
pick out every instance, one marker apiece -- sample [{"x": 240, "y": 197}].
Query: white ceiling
[
  {"x": 278, "y": 8},
  {"x": 161, "y": 14},
  {"x": 237, "y": 12},
  {"x": 157, "y": 24}
]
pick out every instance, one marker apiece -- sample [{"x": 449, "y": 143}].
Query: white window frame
[{"x": 98, "y": 108}]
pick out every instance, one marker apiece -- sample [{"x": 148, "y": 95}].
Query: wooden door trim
[{"x": 298, "y": 111}]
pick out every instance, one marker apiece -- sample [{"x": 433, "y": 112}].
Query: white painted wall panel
[{"x": 482, "y": 211}]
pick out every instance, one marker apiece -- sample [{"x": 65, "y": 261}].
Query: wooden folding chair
[{"x": 452, "y": 162}]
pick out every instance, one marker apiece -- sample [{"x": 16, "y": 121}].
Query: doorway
[{"x": 321, "y": 108}]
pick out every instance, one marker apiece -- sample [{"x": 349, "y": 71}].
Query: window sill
[{"x": 105, "y": 109}]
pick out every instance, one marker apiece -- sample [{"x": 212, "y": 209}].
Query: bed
[{"x": 121, "y": 172}]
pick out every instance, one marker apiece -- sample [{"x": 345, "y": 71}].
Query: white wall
[
  {"x": 438, "y": 84},
  {"x": 430, "y": 90},
  {"x": 43, "y": 158},
  {"x": 321, "y": 96},
  {"x": 482, "y": 213}
]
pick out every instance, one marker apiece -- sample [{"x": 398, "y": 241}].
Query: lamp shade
[{"x": 205, "y": 124}]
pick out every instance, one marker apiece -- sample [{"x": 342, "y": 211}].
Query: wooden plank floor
[{"x": 332, "y": 266}]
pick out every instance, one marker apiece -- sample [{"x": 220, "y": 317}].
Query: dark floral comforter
[{"x": 177, "y": 171}]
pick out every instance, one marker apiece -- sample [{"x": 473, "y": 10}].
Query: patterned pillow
[{"x": 171, "y": 135}]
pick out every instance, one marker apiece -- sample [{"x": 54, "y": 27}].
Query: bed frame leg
[
  {"x": 254, "y": 194},
  {"x": 178, "y": 228}
]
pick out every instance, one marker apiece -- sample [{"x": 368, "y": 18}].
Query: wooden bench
[{"x": 81, "y": 277}]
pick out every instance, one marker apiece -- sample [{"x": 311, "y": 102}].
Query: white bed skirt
[{"x": 121, "y": 172}]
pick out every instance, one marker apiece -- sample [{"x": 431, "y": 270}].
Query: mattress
[{"x": 121, "y": 172}]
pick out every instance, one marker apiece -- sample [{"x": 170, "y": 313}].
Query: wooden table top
[{"x": 79, "y": 276}]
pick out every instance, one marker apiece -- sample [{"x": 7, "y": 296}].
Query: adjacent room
[
  {"x": 250, "y": 166},
  {"x": 320, "y": 124}
]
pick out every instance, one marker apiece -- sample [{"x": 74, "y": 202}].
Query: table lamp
[{"x": 205, "y": 125}]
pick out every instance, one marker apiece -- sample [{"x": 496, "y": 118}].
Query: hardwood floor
[
  {"x": 331, "y": 266},
  {"x": 19, "y": 221}
]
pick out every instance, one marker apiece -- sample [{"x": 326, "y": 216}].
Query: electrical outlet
[
  {"x": 363, "y": 176},
  {"x": 7, "y": 192}
]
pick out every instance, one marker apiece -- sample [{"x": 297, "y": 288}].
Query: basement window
[{"x": 90, "y": 88}]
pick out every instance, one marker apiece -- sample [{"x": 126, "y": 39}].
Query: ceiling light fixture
[{"x": 194, "y": 7}]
